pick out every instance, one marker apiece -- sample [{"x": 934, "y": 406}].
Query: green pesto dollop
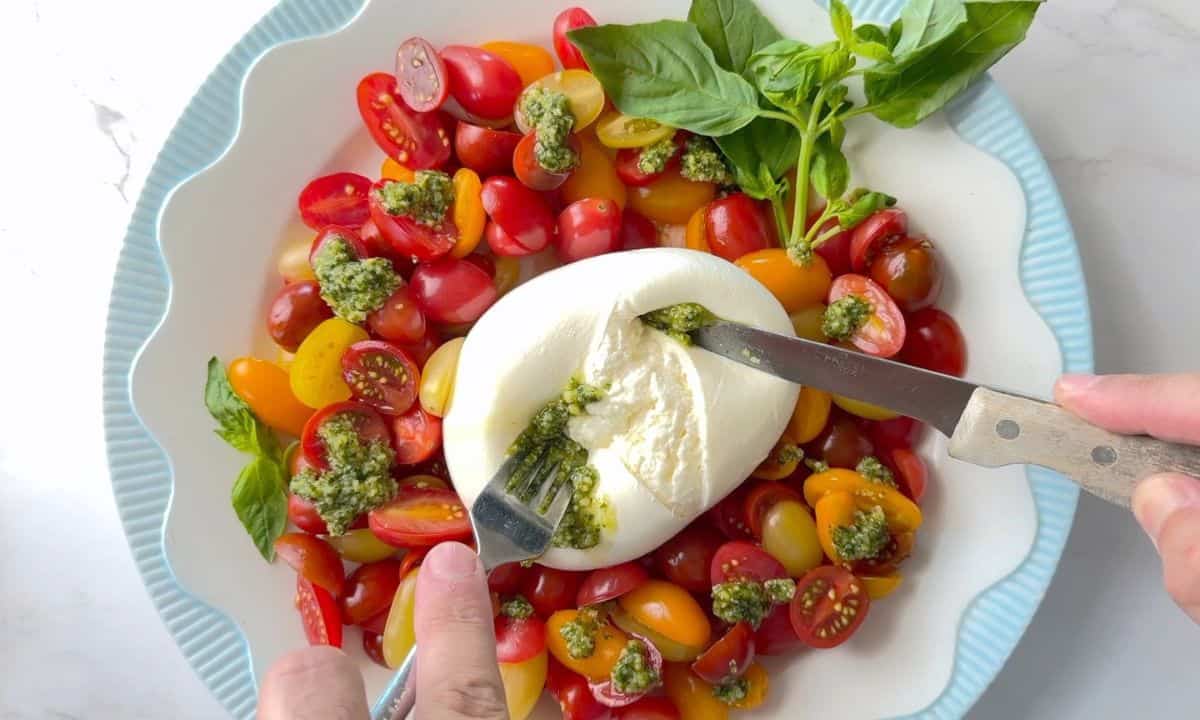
[
  {"x": 351, "y": 286},
  {"x": 517, "y": 608},
  {"x": 780, "y": 590},
  {"x": 634, "y": 674},
  {"x": 580, "y": 633},
  {"x": 548, "y": 112},
  {"x": 358, "y": 479},
  {"x": 426, "y": 199},
  {"x": 845, "y": 316},
  {"x": 732, "y": 692},
  {"x": 816, "y": 466},
  {"x": 680, "y": 321},
  {"x": 865, "y": 538},
  {"x": 703, "y": 162},
  {"x": 653, "y": 158},
  {"x": 741, "y": 601},
  {"x": 875, "y": 471},
  {"x": 789, "y": 453}
]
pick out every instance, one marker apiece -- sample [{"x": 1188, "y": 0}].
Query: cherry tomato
[
  {"x": 807, "y": 323},
  {"x": 756, "y": 691},
  {"x": 520, "y": 212},
  {"x": 729, "y": 657},
  {"x": 879, "y": 587},
  {"x": 789, "y": 534},
  {"x": 672, "y": 650},
  {"x": 610, "y": 641},
  {"x": 484, "y": 150},
  {"x": 795, "y": 286},
  {"x": 729, "y": 515},
  {"x": 573, "y": 695},
  {"x": 671, "y": 199},
  {"x": 361, "y": 546},
  {"x": 842, "y": 444},
  {"x": 381, "y": 375},
  {"x": 568, "y": 20},
  {"x": 617, "y": 130},
  {"x": 836, "y": 249},
  {"x": 378, "y": 246},
  {"x": 267, "y": 389},
  {"x": 686, "y": 558},
  {"x": 417, "y": 435},
  {"x": 421, "y": 481},
  {"x": 292, "y": 263},
  {"x": 629, "y": 169},
  {"x": 303, "y": 514},
  {"x": 531, "y": 173},
  {"x": 738, "y": 559},
  {"x": 409, "y": 237},
  {"x": 637, "y": 232},
  {"x": 337, "y": 199},
  {"x": 295, "y": 311},
  {"x": 695, "y": 235},
  {"x": 865, "y": 239},
  {"x": 911, "y": 473},
  {"x": 392, "y": 170},
  {"x": 530, "y": 61},
  {"x": 610, "y": 583},
  {"x": 416, "y": 140},
  {"x": 884, "y": 332},
  {"x": 467, "y": 212},
  {"x": 372, "y": 643},
  {"x": 584, "y": 93},
  {"x": 935, "y": 343},
  {"x": 775, "y": 635},
  {"x": 368, "y": 424},
  {"x": 399, "y": 319},
  {"x": 399, "y": 633},
  {"x": 518, "y": 639},
  {"x": 452, "y": 291},
  {"x": 506, "y": 579},
  {"x": 737, "y": 226},
  {"x": 523, "y": 683},
  {"x": 550, "y": 590},
  {"x": 422, "y": 349},
  {"x": 483, "y": 84},
  {"x": 319, "y": 613},
  {"x": 608, "y": 695},
  {"x": 648, "y": 708},
  {"x": 314, "y": 559},
  {"x": 761, "y": 499},
  {"x": 437, "y": 382},
  {"x": 587, "y": 228},
  {"x": 810, "y": 415},
  {"x": 668, "y": 610},
  {"x": 595, "y": 177},
  {"x": 829, "y": 605},
  {"x": 907, "y": 268},
  {"x": 369, "y": 591},
  {"x": 780, "y": 463},
  {"x": 692, "y": 696},
  {"x": 421, "y": 75},
  {"x": 421, "y": 518},
  {"x": 901, "y": 432},
  {"x": 340, "y": 233},
  {"x": 502, "y": 244}
]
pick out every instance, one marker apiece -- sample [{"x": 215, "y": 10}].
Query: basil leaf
[
  {"x": 830, "y": 171},
  {"x": 260, "y": 501},
  {"x": 236, "y": 423},
  {"x": 663, "y": 71},
  {"x": 925, "y": 23},
  {"x": 894, "y": 32},
  {"x": 766, "y": 148},
  {"x": 734, "y": 29},
  {"x": 868, "y": 33},
  {"x": 842, "y": 21},
  {"x": 864, "y": 204},
  {"x": 873, "y": 51},
  {"x": 787, "y": 73}
]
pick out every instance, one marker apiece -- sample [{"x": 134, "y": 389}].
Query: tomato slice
[
  {"x": 607, "y": 695},
  {"x": 611, "y": 583},
  {"x": 421, "y": 75},
  {"x": 866, "y": 238},
  {"x": 381, "y": 375},
  {"x": 741, "y": 560},
  {"x": 574, "y": 697},
  {"x": 421, "y": 518},
  {"x": 319, "y": 613},
  {"x": 519, "y": 639},
  {"x": 451, "y": 291},
  {"x": 568, "y": 20},
  {"x": 482, "y": 83},
  {"x": 727, "y": 658},
  {"x": 550, "y": 590},
  {"x": 418, "y": 435},
  {"x": 760, "y": 500},
  {"x": 418, "y": 141},
  {"x": 648, "y": 708},
  {"x": 409, "y": 237},
  {"x": 369, "y": 424},
  {"x": 775, "y": 635},
  {"x": 520, "y": 212},
  {"x": 369, "y": 591},
  {"x": 313, "y": 558},
  {"x": 884, "y": 332},
  {"x": 485, "y": 150},
  {"x": 337, "y": 199},
  {"x": 829, "y": 605},
  {"x": 531, "y": 173}
]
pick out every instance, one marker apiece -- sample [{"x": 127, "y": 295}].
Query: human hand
[
  {"x": 456, "y": 676},
  {"x": 1167, "y": 506}
]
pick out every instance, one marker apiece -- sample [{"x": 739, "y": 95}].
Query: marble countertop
[{"x": 1107, "y": 86}]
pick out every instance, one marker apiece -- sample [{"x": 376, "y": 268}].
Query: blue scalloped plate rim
[{"x": 1051, "y": 275}]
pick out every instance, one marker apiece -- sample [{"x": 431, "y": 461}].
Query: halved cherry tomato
[
  {"x": 303, "y": 514},
  {"x": 452, "y": 291},
  {"x": 668, "y": 610},
  {"x": 741, "y": 560},
  {"x": 381, "y": 375},
  {"x": 692, "y": 696},
  {"x": 518, "y": 639},
  {"x": 367, "y": 423},
  {"x": 409, "y": 237},
  {"x": 810, "y": 416},
  {"x": 864, "y": 410},
  {"x": 416, "y": 140},
  {"x": 372, "y": 643},
  {"x": 807, "y": 323},
  {"x": 867, "y": 237},
  {"x": 369, "y": 591},
  {"x": 648, "y": 708},
  {"x": 696, "y": 233},
  {"x": 736, "y": 226},
  {"x": 834, "y": 510},
  {"x": 421, "y": 481},
  {"x": 756, "y": 691},
  {"x": 842, "y": 444},
  {"x": 782, "y": 461},
  {"x": 903, "y": 515},
  {"x": 587, "y": 228},
  {"x": 672, "y": 650},
  {"x": 314, "y": 559},
  {"x": 483, "y": 84},
  {"x": 485, "y": 150},
  {"x": 437, "y": 383},
  {"x": 399, "y": 634},
  {"x": 884, "y": 332},
  {"x": 729, "y": 657},
  {"x": 319, "y": 613},
  {"x": 295, "y": 311},
  {"x": 729, "y": 515},
  {"x": 420, "y": 350},
  {"x": 686, "y": 558},
  {"x": 671, "y": 199},
  {"x": 907, "y": 268},
  {"x": 584, "y": 93},
  {"x": 617, "y": 130},
  {"x": 337, "y": 199},
  {"x": 829, "y": 605},
  {"x": 775, "y": 636},
  {"x": 523, "y": 683},
  {"x": 637, "y": 232},
  {"x": 530, "y": 61},
  {"x": 292, "y": 263},
  {"x": 550, "y": 590},
  {"x": 399, "y": 319},
  {"x": 595, "y": 177},
  {"x": 361, "y": 546},
  {"x": 608, "y": 695},
  {"x": 789, "y": 534},
  {"x": 573, "y": 695},
  {"x": 610, "y": 583},
  {"x": 795, "y": 286},
  {"x": 267, "y": 389},
  {"x": 421, "y": 518},
  {"x": 520, "y": 212},
  {"x": 836, "y": 249},
  {"x": 467, "y": 212},
  {"x": 568, "y": 20},
  {"x": 339, "y": 233},
  {"x": 531, "y": 173},
  {"x": 911, "y": 473},
  {"x": 762, "y": 498},
  {"x": 610, "y": 641},
  {"x": 935, "y": 343},
  {"x": 392, "y": 170},
  {"x": 421, "y": 75}
]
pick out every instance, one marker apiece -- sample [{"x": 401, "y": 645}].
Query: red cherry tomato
[
  {"x": 829, "y": 605},
  {"x": 907, "y": 268},
  {"x": 319, "y": 613},
  {"x": 531, "y": 173},
  {"x": 378, "y": 246},
  {"x": 337, "y": 199},
  {"x": 727, "y": 658},
  {"x": 550, "y": 590},
  {"x": 420, "y": 350},
  {"x": 506, "y": 579},
  {"x": 409, "y": 237},
  {"x": 484, "y": 262},
  {"x": 867, "y": 237},
  {"x": 313, "y": 558},
  {"x": 687, "y": 558},
  {"x": 648, "y": 708},
  {"x": 369, "y": 591},
  {"x": 372, "y": 643},
  {"x": 381, "y": 375},
  {"x": 900, "y": 432},
  {"x": 610, "y": 696},
  {"x": 502, "y": 244},
  {"x": 421, "y": 75},
  {"x": 729, "y": 515},
  {"x": 911, "y": 473},
  {"x": 376, "y": 624},
  {"x": 738, "y": 559},
  {"x": 631, "y": 174},
  {"x": 935, "y": 343},
  {"x": 736, "y": 225},
  {"x": 411, "y": 560},
  {"x": 303, "y": 514},
  {"x": 417, "y": 141},
  {"x": 836, "y": 252},
  {"x": 610, "y": 583},
  {"x": 484, "y": 150},
  {"x": 775, "y": 635},
  {"x": 520, "y": 212},
  {"x": 568, "y": 20},
  {"x": 417, "y": 436},
  {"x": 336, "y": 232},
  {"x": 573, "y": 694},
  {"x": 587, "y": 228},
  {"x": 421, "y": 518},
  {"x": 637, "y": 232},
  {"x": 483, "y": 84},
  {"x": 295, "y": 311},
  {"x": 884, "y": 332},
  {"x": 842, "y": 444},
  {"x": 368, "y": 423},
  {"x": 760, "y": 500},
  {"x": 399, "y": 319},
  {"x": 452, "y": 291},
  {"x": 519, "y": 639}
]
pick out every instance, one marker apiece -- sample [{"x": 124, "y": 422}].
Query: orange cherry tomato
[
  {"x": 691, "y": 695},
  {"x": 596, "y": 176},
  {"x": 881, "y": 586},
  {"x": 671, "y": 199},
  {"x": 808, "y": 323},
  {"x": 610, "y": 641},
  {"x": 756, "y": 693},
  {"x": 668, "y": 648},
  {"x": 468, "y": 213},
  {"x": 696, "y": 235},
  {"x": 267, "y": 389},
  {"x": 669, "y": 610},
  {"x": 392, "y": 170},
  {"x": 810, "y": 416},
  {"x": 795, "y": 286},
  {"x": 782, "y": 462},
  {"x": 903, "y": 515},
  {"x": 834, "y": 510},
  {"x": 530, "y": 61}
]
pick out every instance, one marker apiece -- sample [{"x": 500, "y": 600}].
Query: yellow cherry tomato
[
  {"x": 808, "y": 323},
  {"x": 671, "y": 199},
  {"x": 508, "y": 272},
  {"x": 361, "y": 546},
  {"x": 863, "y": 409},
  {"x": 795, "y": 286},
  {"x": 392, "y": 170},
  {"x": 668, "y": 648},
  {"x": 292, "y": 263},
  {"x": 610, "y": 641},
  {"x": 596, "y": 176},
  {"x": 881, "y": 586},
  {"x": 811, "y": 414},
  {"x": 692, "y": 696},
  {"x": 696, "y": 234},
  {"x": 437, "y": 377},
  {"x": 789, "y": 535},
  {"x": 903, "y": 515},
  {"x": 266, "y": 389},
  {"x": 583, "y": 91},
  {"x": 668, "y": 610},
  {"x": 523, "y": 683},
  {"x": 756, "y": 693},
  {"x": 617, "y": 130},
  {"x": 834, "y": 510},
  {"x": 784, "y": 459},
  {"x": 316, "y": 373},
  {"x": 531, "y": 62},
  {"x": 399, "y": 634},
  {"x": 467, "y": 211}
]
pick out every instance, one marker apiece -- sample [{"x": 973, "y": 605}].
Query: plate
[{"x": 195, "y": 273}]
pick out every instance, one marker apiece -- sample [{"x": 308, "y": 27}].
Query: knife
[{"x": 986, "y": 427}]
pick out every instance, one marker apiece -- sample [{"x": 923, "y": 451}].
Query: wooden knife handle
[{"x": 999, "y": 429}]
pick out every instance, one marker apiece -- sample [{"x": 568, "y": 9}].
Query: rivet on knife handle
[{"x": 998, "y": 429}]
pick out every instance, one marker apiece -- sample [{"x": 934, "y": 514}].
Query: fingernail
[
  {"x": 1160, "y": 496},
  {"x": 451, "y": 561},
  {"x": 1076, "y": 384}
]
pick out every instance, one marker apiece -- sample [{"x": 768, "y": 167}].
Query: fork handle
[{"x": 398, "y": 699}]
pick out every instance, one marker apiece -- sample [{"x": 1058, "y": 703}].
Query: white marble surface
[{"x": 91, "y": 90}]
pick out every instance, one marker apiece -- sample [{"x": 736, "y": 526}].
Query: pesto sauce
[
  {"x": 865, "y": 538},
  {"x": 426, "y": 199},
  {"x": 741, "y": 601},
  {"x": 633, "y": 674},
  {"x": 580, "y": 634},
  {"x": 845, "y": 316},
  {"x": 653, "y": 158},
  {"x": 680, "y": 321},
  {"x": 517, "y": 608},
  {"x": 875, "y": 471},
  {"x": 548, "y": 112},
  {"x": 732, "y": 692},
  {"x": 353, "y": 287},
  {"x": 703, "y": 162}
]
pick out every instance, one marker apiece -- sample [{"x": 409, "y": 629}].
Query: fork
[{"x": 514, "y": 520}]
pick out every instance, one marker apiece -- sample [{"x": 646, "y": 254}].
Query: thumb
[
  {"x": 1165, "y": 406},
  {"x": 457, "y": 675},
  {"x": 315, "y": 683},
  {"x": 1168, "y": 508}
]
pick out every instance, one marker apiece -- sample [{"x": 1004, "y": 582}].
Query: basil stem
[{"x": 804, "y": 165}]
